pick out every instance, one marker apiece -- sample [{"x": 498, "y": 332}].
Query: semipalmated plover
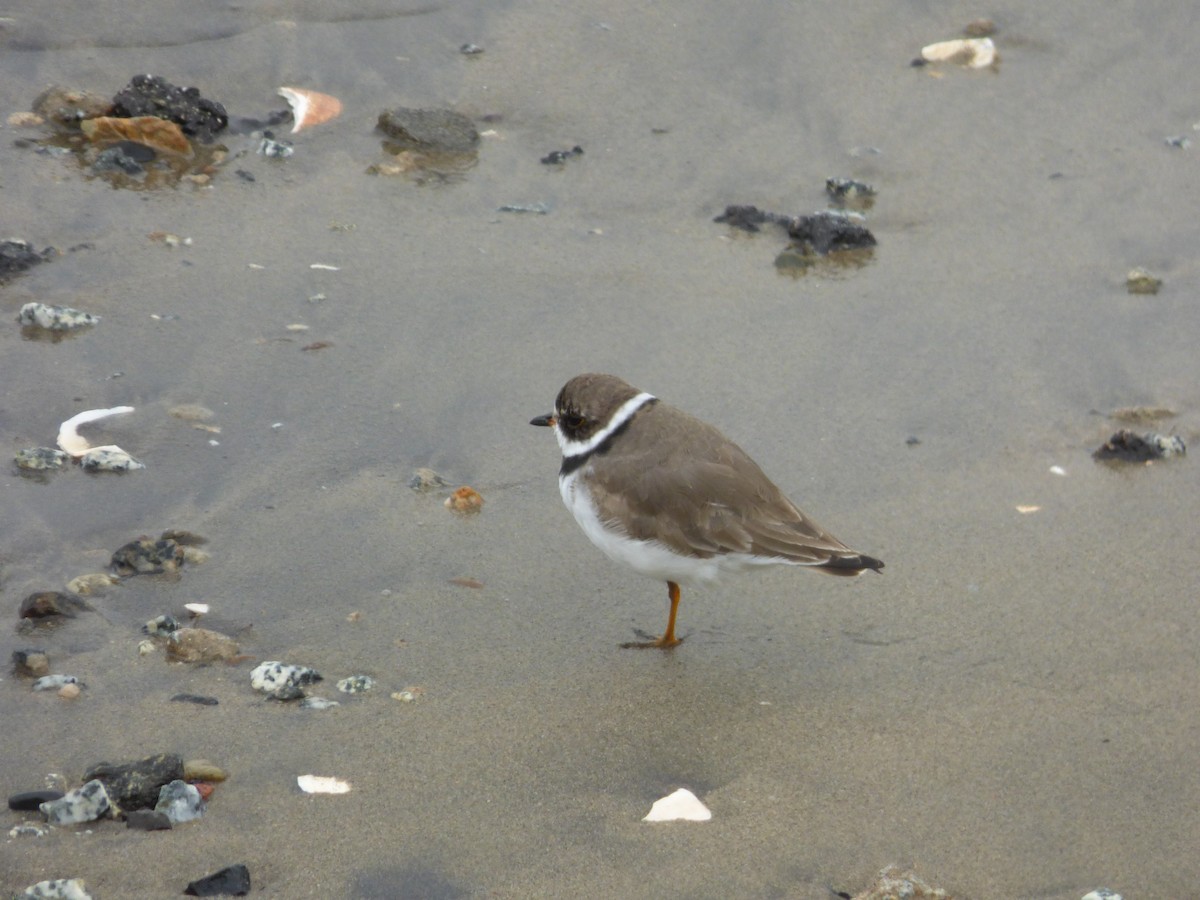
[{"x": 671, "y": 497}]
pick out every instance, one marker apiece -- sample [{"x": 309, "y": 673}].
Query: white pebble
[
  {"x": 682, "y": 805},
  {"x": 322, "y": 784}
]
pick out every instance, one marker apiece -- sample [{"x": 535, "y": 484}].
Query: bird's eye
[{"x": 573, "y": 421}]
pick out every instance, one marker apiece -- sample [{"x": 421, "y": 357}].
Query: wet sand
[{"x": 1009, "y": 710}]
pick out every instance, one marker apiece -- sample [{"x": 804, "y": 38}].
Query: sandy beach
[{"x": 1008, "y": 711}]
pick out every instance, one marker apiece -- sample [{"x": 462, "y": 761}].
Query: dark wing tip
[{"x": 851, "y": 565}]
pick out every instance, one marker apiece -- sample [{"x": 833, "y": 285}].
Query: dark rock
[
  {"x": 146, "y": 556},
  {"x": 558, "y": 157},
  {"x": 746, "y": 218},
  {"x": 820, "y": 233},
  {"x": 47, "y": 604},
  {"x": 17, "y": 256},
  {"x": 147, "y": 820},
  {"x": 117, "y": 158},
  {"x": 150, "y": 95},
  {"x": 29, "y": 801},
  {"x": 136, "y": 785},
  {"x": 826, "y": 232},
  {"x": 233, "y": 880},
  {"x": 195, "y": 698},
  {"x": 30, "y": 663},
  {"x": 429, "y": 129},
  {"x": 1128, "y": 446}
]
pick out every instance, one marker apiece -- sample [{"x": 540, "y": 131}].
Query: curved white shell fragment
[
  {"x": 310, "y": 107},
  {"x": 70, "y": 440},
  {"x": 974, "y": 53},
  {"x": 322, "y": 784},
  {"x": 682, "y": 805}
]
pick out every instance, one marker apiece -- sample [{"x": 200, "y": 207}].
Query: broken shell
[
  {"x": 68, "y": 437},
  {"x": 197, "y": 609},
  {"x": 465, "y": 500},
  {"x": 322, "y": 784},
  {"x": 310, "y": 107},
  {"x": 973, "y": 53},
  {"x": 682, "y": 805}
]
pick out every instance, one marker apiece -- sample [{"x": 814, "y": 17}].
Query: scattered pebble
[
  {"x": 203, "y": 771},
  {"x": 1025, "y": 508},
  {"x": 201, "y": 645},
  {"x": 233, "y": 881},
  {"x": 161, "y": 626},
  {"x": 109, "y": 459},
  {"x": 272, "y": 677},
  {"x": 439, "y": 130},
  {"x": 465, "y": 500},
  {"x": 40, "y": 459},
  {"x": 559, "y": 157},
  {"x": 180, "y": 802},
  {"x": 92, "y": 582},
  {"x": 84, "y": 804},
  {"x": 540, "y": 209},
  {"x": 54, "y": 318},
  {"x": 138, "y": 784},
  {"x": 356, "y": 684},
  {"x": 147, "y": 556},
  {"x": 273, "y": 149},
  {"x": 971, "y": 53},
  {"x": 1142, "y": 415},
  {"x": 322, "y": 784},
  {"x": 52, "y": 605},
  {"x": 168, "y": 239},
  {"x": 30, "y": 663},
  {"x": 892, "y": 884},
  {"x": 472, "y": 583},
  {"x": 147, "y": 820},
  {"x": 1127, "y": 446},
  {"x": 28, "y": 829},
  {"x": 424, "y": 480},
  {"x": 682, "y": 805},
  {"x": 1058, "y": 470},
  {"x": 1102, "y": 894},
  {"x": 318, "y": 703},
  {"x": 31, "y": 801},
  {"x": 408, "y": 695},
  {"x": 54, "y": 682},
  {"x": 1139, "y": 281},
  {"x": 470, "y": 49},
  {"x": 69, "y": 691},
  {"x": 57, "y": 889},
  {"x": 198, "y": 699},
  {"x": 847, "y": 192},
  {"x": 17, "y": 256}
]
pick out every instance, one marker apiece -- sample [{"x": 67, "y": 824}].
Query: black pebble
[
  {"x": 29, "y": 801},
  {"x": 195, "y": 698},
  {"x": 233, "y": 880},
  {"x": 147, "y": 820}
]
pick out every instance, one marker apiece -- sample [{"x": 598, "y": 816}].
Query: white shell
[
  {"x": 682, "y": 805},
  {"x": 322, "y": 784},
  {"x": 974, "y": 53},
  {"x": 70, "y": 440},
  {"x": 197, "y": 609}
]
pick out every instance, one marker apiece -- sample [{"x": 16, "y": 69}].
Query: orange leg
[{"x": 668, "y": 638}]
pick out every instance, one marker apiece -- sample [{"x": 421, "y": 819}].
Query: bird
[{"x": 671, "y": 497}]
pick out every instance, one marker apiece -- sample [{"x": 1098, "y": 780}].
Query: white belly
[{"x": 647, "y": 557}]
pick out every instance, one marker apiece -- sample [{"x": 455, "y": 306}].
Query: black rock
[
  {"x": 195, "y": 698},
  {"x": 17, "y": 256},
  {"x": 558, "y": 157},
  {"x": 233, "y": 880},
  {"x": 825, "y": 232},
  {"x": 117, "y": 158},
  {"x": 150, "y": 95},
  {"x": 1128, "y": 446},
  {"x": 29, "y": 801},
  {"x": 747, "y": 218},
  {"x": 136, "y": 785},
  {"x": 147, "y": 820}
]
